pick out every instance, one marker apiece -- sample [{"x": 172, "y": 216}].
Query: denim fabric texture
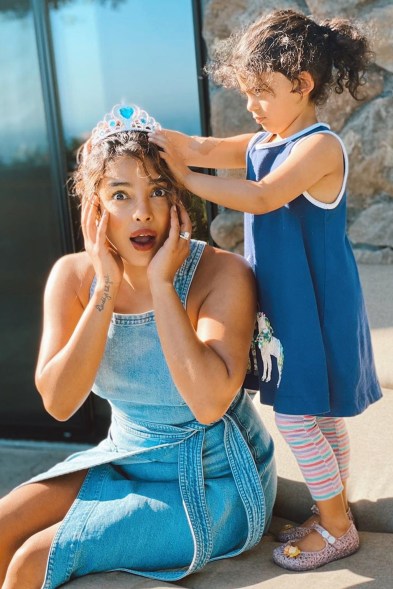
[{"x": 164, "y": 494}]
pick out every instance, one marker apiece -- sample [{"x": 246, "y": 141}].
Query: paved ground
[{"x": 21, "y": 460}]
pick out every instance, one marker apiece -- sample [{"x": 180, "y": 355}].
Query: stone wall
[{"x": 366, "y": 127}]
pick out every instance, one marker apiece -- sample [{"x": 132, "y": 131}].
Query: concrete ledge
[
  {"x": 369, "y": 568},
  {"x": 377, "y": 282},
  {"x": 117, "y": 581},
  {"x": 382, "y": 340}
]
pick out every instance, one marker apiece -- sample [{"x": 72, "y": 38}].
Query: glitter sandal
[
  {"x": 290, "y": 557},
  {"x": 290, "y": 533}
]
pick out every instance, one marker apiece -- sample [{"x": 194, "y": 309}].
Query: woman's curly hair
[
  {"x": 93, "y": 161},
  {"x": 335, "y": 52}
]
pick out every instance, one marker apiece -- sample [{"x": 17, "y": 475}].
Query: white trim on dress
[
  {"x": 334, "y": 204},
  {"x": 265, "y": 142}
]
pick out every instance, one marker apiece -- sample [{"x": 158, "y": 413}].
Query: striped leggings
[{"x": 321, "y": 448}]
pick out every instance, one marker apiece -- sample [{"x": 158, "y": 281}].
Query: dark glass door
[
  {"x": 31, "y": 230},
  {"x": 63, "y": 64}
]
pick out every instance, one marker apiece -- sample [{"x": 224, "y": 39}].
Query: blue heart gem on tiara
[
  {"x": 123, "y": 117},
  {"x": 126, "y": 112}
]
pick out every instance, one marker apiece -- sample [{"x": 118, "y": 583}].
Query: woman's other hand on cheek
[
  {"x": 174, "y": 251},
  {"x": 106, "y": 261}
]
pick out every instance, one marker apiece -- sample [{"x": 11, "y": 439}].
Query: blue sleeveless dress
[
  {"x": 313, "y": 330},
  {"x": 164, "y": 494}
]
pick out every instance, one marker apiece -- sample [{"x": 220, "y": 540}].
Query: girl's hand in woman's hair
[
  {"x": 108, "y": 265},
  {"x": 171, "y": 155},
  {"x": 174, "y": 251}
]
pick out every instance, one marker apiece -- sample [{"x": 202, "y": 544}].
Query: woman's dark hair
[
  {"x": 334, "y": 52},
  {"x": 92, "y": 163}
]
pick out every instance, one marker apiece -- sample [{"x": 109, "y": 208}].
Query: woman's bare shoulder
[
  {"x": 73, "y": 273},
  {"x": 224, "y": 271},
  {"x": 220, "y": 262},
  {"x": 223, "y": 289}
]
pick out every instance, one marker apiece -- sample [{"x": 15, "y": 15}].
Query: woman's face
[{"x": 139, "y": 209}]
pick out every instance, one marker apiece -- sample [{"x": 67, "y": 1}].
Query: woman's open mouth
[{"x": 143, "y": 240}]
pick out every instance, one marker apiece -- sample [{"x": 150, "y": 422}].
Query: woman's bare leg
[
  {"x": 28, "y": 565},
  {"x": 30, "y": 509}
]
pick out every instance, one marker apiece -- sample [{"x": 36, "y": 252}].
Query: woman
[{"x": 160, "y": 325}]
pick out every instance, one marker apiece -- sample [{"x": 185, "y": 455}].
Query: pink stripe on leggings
[
  {"x": 335, "y": 431},
  {"x": 321, "y": 448}
]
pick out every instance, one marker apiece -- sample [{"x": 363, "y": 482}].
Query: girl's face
[
  {"x": 139, "y": 209},
  {"x": 276, "y": 106}
]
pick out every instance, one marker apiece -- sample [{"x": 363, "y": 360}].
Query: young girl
[
  {"x": 318, "y": 366},
  {"x": 159, "y": 325}
]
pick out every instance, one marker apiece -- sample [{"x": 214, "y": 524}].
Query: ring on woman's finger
[{"x": 184, "y": 235}]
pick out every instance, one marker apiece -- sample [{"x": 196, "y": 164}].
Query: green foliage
[{"x": 197, "y": 211}]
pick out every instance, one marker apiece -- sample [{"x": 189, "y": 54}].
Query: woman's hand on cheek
[
  {"x": 108, "y": 265},
  {"x": 174, "y": 251},
  {"x": 171, "y": 155}
]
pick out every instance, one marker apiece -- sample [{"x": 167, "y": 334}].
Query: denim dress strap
[
  {"x": 247, "y": 480},
  {"x": 192, "y": 488},
  {"x": 185, "y": 273}
]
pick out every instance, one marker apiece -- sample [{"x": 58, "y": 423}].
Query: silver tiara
[{"x": 123, "y": 117}]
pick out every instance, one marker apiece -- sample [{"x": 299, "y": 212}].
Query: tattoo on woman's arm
[{"x": 106, "y": 296}]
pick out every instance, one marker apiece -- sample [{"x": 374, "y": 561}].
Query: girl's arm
[
  {"x": 315, "y": 165},
  {"x": 210, "y": 152},
  {"x": 208, "y": 362},
  {"x": 74, "y": 332}
]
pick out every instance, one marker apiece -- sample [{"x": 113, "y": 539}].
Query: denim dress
[{"x": 164, "y": 494}]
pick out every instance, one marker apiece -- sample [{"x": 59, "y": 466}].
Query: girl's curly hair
[{"x": 334, "y": 52}]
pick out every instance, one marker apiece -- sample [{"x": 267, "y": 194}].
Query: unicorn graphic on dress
[{"x": 269, "y": 346}]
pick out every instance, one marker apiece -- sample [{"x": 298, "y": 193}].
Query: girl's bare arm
[
  {"x": 315, "y": 165},
  {"x": 210, "y": 152}
]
